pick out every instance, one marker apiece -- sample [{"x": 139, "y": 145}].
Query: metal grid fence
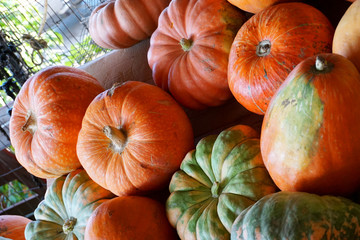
[{"x": 35, "y": 34}]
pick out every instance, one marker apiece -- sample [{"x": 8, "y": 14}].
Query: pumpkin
[
  {"x": 255, "y": 6},
  {"x": 189, "y": 50},
  {"x": 129, "y": 218},
  {"x": 66, "y": 208},
  {"x": 216, "y": 181},
  {"x": 46, "y": 119},
  {"x": 347, "y": 35},
  {"x": 123, "y": 23},
  {"x": 133, "y": 138},
  {"x": 297, "y": 216},
  {"x": 269, "y": 45},
  {"x": 310, "y": 134},
  {"x": 13, "y": 226}
]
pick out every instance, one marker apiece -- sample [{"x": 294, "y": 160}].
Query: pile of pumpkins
[{"x": 114, "y": 151}]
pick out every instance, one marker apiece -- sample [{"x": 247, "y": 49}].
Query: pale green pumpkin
[
  {"x": 216, "y": 181},
  {"x": 298, "y": 216},
  {"x": 66, "y": 208}
]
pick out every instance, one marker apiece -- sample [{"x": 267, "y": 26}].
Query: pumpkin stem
[
  {"x": 69, "y": 225},
  {"x": 117, "y": 137},
  {"x": 263, "y": 48},
  {"x": 30, "y": 123},
  {"x": 186, "y": 44},
  {"x": 215, "y": 190},
  {"x": 320, "y": 63}
]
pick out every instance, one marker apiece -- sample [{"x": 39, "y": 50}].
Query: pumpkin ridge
[
  {"x": 132, "y": 19},
  {"x": 295, "y": 28},
  {"x": 174, "y": 69},
  {"x": 205, "y": 83},
  {"x": 39, "y": 168},
  {"x": 221, "y": 178}
]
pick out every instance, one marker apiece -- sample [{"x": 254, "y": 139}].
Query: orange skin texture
[
  {"x": 295, "y": 30},
  {"x": 255, "y": 6},
  {"x": 347, "y": 35},
  {"x": 158, "y": 134},
  {"x": 129, "y": 218},
  {"x": 197, "y": 77},
  {"x": 13, "y": 226},
  {"x": 57, "y": 98},
  {"x": 123, "y": 23},
  {"x": 332, "y": 165}
]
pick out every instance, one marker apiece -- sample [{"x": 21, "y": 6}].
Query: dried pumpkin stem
[
  {"x": 117, "y": 137},
  {"x": 263, "y": 48},
  {"x": 215, "y": 189},
  {"x": 186, "y": 44},
  {"x": 69, "y": 225},
  {"x": 320, "y": 63},
  {"x": 30, "y": 123}
]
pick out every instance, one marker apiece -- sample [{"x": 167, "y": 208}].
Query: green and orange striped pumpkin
[
  {"x": 216, "y": 181},
  {"x": 297, "y": 216},
  {"x": 310, "y": 135},
  {"x": 67, "y": 206}
]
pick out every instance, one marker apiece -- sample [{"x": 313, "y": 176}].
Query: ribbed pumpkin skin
[
  {"x": 123, "y": 23},
  {"x": 347, "y": 35},
  {"x": 74, "y": 195},
  {"x": 298, "y": 216},
  {"x": 57, "y": 98},
  {"x": 130, "y": 218},
  {"x": 151, "y": 136},
  {"x": 216, "y": 181},
  {"x": 13, "y": 226},
  {"x": 310, "y": 135},
  {"x": 294, "y": 31},
  {"x": 197, "y": 76}
]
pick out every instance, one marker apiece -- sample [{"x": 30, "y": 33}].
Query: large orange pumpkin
[
  {"x": 133, "y": 138},
  {"x": 46, "y": 119},
  {"x": 310, "y": 135},
  {"x": 13, "y": 226},
  {"x": 269, "y": 45},
  {"x": 189, "y": 50},
  {"x": 129, "y": 218},
  {"x": 347, "y": 34},
  {"x": 123, "y": 23}
]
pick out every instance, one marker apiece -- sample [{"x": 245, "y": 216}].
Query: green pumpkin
[
  {"x": 298, "y": 216},
  {"x": 66, "y": 208},
  {"x": 216, "y": 181}
]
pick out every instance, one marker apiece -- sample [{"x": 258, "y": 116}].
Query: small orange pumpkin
[{"x": 129, "y": 218}]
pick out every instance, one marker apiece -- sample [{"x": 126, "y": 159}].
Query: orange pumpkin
[
  {"x": 269, "y": 45},
  {"x": 133, "y": 138},
  {"x": 189, "y": 50},
  {"x": 46, "y": 119},
  {"x": 13, "y": 226},
  {"x": 123, "y": 23},
  {"x": 347, "y": 35},
  {"x": 255, "y": 6},
  {"x": 129, "y": 218}
]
